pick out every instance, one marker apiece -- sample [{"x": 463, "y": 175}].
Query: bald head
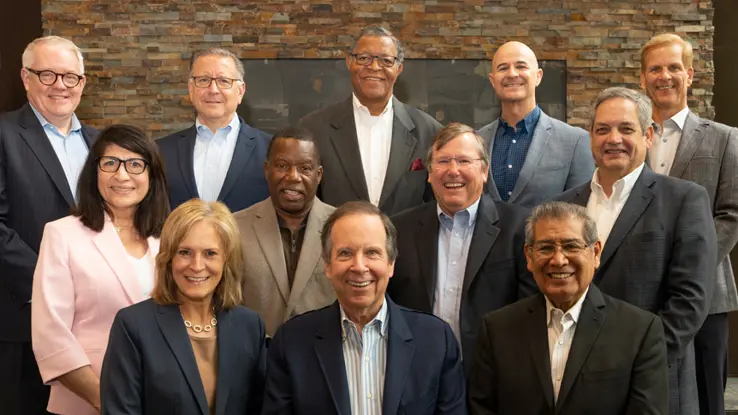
[
  {"x": 515, "y": 49},
  {"x": 514, "y": 77}
]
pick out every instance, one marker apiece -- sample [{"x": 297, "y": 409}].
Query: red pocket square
[{"x": 417, "y": 165}]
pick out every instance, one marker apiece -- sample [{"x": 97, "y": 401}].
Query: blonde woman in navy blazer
[{"x": 190, "y": 349}]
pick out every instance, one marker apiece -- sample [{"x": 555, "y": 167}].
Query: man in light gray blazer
[
  {"x": 533, "y": 157},
  {"x": 281, "y": 235},
  {"x": 372, "y": 145},
  {"x": 705, "y": 152},
  {"x": 659, "y": 245}
]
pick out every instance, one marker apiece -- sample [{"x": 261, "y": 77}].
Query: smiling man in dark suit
[
  {"x": 43, "y": 147},
  {"x": 659, "y": 245},
  {"x": 220, "y": 157},
  {"x": 371, "y": 143}
]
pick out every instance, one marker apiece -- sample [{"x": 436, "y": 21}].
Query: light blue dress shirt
[
  {"x": 212, "y": 157},
  {"x": 454, "y": 239},
  {"x": 70, "y": 149},
  {"x": 365, "y": 357}
]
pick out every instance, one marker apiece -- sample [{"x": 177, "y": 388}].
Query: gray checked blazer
[{"x": 559, "y": 158}]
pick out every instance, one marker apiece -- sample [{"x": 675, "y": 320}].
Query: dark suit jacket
[
  {"x": 244, "y": 184},
  {"x": 307, "y": 375},
  {"x": 334, "y": 129},
  {"x": 33, "y": 191},
  {"x": 150, "y": 368},
  {"x": 558, "y": 159},
  {"x": 616, "y": 364},
  {"x": 496, "y": 273},
  {"x": 661, "y": 256}
]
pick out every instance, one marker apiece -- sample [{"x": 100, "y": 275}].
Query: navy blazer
[
  {"x": 33, "y": 191},
  {"x": 150, "y": 368},
  {"x": 244, "y": 184},
  {"x": 307, "y": 375}
]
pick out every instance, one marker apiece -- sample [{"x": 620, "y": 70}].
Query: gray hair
[
  {"x": 358, "y": 208},
  {"x": 561, "y": 210},
  {"x": 379, "y": 31},
  {"x": 29, "y": 53},
  {"x": 643, "y": 104},
  {"x": 218, "y": 52},
  {"x": 448, "y": 133}
]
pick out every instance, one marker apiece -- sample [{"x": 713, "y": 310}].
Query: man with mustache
[
  {"x": 372, "y": 144},
  {"x": 533, "y": 157},
  {"x": 659, "y": 245},
  {"x": 43, "y": 147},
  {"x": 281, "y": 235},
  {"x": 705, "y": 152}
]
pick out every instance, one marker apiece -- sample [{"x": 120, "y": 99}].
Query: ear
[
  {"x": 643, "y": 81},
  {"x": 539, "y": 76},
  {"x": 320, "y": 174},
  {"x": 690, "y": 76},
  {"x": 649, "y": 136},
  {"x": 597, "y": 248},
  {"x": 399, "y": 69},
  {"x": 528, "y": 258},
  {"x": 26, "y": 78}
]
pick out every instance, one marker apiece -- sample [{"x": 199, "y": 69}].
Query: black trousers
[
  {"x": 22, "y": 392},
  {"x": 711, "y": 352}
]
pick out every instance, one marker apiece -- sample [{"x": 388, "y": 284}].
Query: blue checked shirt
[
  {"x": 365, "y": 357},
  {"x": 509, "y": 150}
]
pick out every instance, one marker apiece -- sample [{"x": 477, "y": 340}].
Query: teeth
[
  {"x": 292, "y": 192},
  {"x": 122, "y": 189},
  {"x": 196, "y": 279},
  {"x": 560, "y": 275},
  {"x": 454, "y": 185},
  {"x": 664, "y": 87},
  {"x": 359, "y": 284},
  {"x": 373, "y": 79}
]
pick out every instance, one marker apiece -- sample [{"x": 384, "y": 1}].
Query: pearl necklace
[{"x": 198, "y": 328}]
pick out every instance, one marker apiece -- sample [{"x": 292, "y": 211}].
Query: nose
[
  {"x": 58, "y": 83},
  {"x": 359, "y": 263},
  {"x": 558, "y": 259},
  {"x": 213, "y": 87},
  {"x": 122, "y": 173},
  {"x": 453, "y": 167},
  {"x": 293, "y": 175},
  {"x": 197, "y": 262},
  {"x": 375, "y": 64}
]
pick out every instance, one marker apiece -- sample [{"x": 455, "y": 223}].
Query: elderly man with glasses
[
  {"x": 372, "y": 144},
  {"x": 220, "y": 157}
]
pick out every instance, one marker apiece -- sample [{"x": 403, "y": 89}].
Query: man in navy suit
[
  {"x": 363, "y": 354},
  {"x": 220, "y": 157}
]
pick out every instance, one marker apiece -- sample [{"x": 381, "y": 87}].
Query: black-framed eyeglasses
[
  {"x": 462, "y": 162},
  {"x": 569, "y": 248},
  {"x": 364, "y": 59},
  {"x": 48, "y": 78},
  {"x": 206, "y": 81},
  {"x": 110, "y": 164}
]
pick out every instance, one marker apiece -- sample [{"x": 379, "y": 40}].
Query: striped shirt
[
  {"x": 365, "y": 357},
  {"x": 561, "y": 329}
]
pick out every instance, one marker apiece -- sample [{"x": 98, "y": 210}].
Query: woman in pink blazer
[{"x": 95, "y": 262}]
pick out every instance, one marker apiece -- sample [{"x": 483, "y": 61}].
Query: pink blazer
[{"x": 82, "y": 279}]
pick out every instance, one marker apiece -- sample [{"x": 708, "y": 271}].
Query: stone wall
[{"x": 137, "y": 51}]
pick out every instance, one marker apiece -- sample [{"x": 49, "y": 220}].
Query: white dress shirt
[
  {"x": 375, "y": 138},
  {"x": 605, "y": 210},
  {"x": 664, "y": 146},
  {"x": 212, "y": 157},
  {"x": 144, "y": 268},
  {"x": 561, "y": 328}
]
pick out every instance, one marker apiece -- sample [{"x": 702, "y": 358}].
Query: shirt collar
[
  {"x": 471, "y": 211},
  {"x": 680, "y": 118},
  {"x": 358, "y": 105},
  {"x": 622, "y": 187},
  {"x": 528, "y": 122},
  {"x": 76, "y": 125},
  {"x": 381, "y": 318},
  {"x": 574, "y": 311},
  {"x": 232, "y": 126}
]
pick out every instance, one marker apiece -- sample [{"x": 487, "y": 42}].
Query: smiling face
[
  {"x": 515, "y": 74},
  {"x": 57, "y": 102},
  {"x": 215, "y": 107},
  {"x": 197, "y": 265},
  {"x": 665, "y": 78},
  {"x": 373, "y": 83},
  {"x": 293, "y": 174},
  {"x": 122, "y": 191},
  {"x": 359, "y": 266}
]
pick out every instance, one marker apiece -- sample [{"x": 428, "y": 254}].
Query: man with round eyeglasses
[
  {"x": 43, "y": 147},
  {"x": 220, "y": 157}
]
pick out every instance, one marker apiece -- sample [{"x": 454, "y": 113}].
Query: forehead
[
  {"x": 117, "y": 151},
  {"x": 616, "y": 111},
  {"x": 513, "y": 53},
  {"x": 376, "y": 45},
  {"x": 670, "y": 53},
  {"x": 203, "y": 234},
  {"x": 461, "y": 144},
  {"x": 55, "y": 56},
  {"x": 559, "y": 229},
  {"x": 293, "y": 148},
  {"x": 215, "y": 64},
  {"x": 357, "y": 230}
]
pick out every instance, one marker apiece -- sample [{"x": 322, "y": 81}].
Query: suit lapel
[
  {"x": 588, "y": 328},
  {"x": 267, "y": 233},
  {"x": 309, "y": 254},
  {"x": 489, "y": 135},
  {"x": 692, "y": 135},
  {"x": 241, "y": 158},
  {"x": 227, "y": 360},
  {"x": 186, "y": 156},
  {"x": 400, "y": 351},
  {"x": 539, "y": 142},
  {"x": 172, "y": 327},
  {"x": 35, "y": 137},
  {"x": 401, "y": 149},
  {"x": 537, "y": 332},
  {"x": 426, "y": 241},
  {"x": 484, "y": 236},
  {"x": 89, "y": 135},
  {"x": 328, "y": 348},
  {"x": 346, "y": 143},
  {"x": 112, "y": 249},
  {"x": 582, "y": 195}
]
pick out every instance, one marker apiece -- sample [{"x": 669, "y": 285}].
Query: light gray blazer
[
  {"x": 559, "y": 158},
  {"x": 266, "y": 288},
  {"x": 708, "y": 155}
]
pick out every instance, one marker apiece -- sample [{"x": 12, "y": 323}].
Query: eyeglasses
[
  {"x": 110, "y": 164},
  {"x": 547, "y": 250},
  {"x": 462, "y": 162},
  {"x": 366, "y": 60},
  {"x": 48, "y": 78},
  {"x": 206, "y": 81}
]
